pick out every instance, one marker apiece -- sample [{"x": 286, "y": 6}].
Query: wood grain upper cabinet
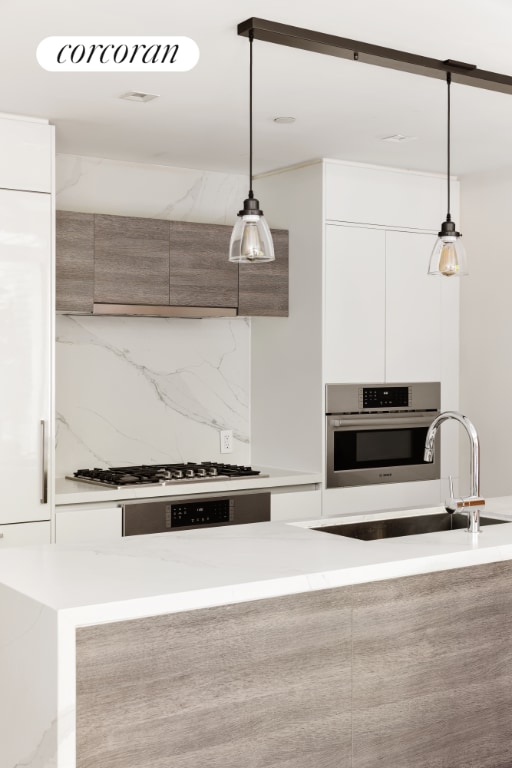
[
  {"x": 126, "y": 260},
  {"x": 200, "y": 273},
  {"x": 75, "y": 262},
  {"x": 263, "y": 288},
  {"x": 131, "y": 260}
]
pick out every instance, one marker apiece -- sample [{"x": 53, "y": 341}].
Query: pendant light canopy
[
  {"x": 448, "y": 256},
  {"x": 251, "y": 241}
]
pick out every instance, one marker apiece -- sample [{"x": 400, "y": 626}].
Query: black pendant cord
[
  {"x": 448, "y": 81},
  {"x": 251, "y": 38}
]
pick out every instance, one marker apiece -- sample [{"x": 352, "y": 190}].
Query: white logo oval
[{"x": 117, "y": 54}]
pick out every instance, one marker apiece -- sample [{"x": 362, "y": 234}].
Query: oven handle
[{"x": 364, "y": 423}]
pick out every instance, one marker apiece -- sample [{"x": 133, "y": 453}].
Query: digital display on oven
[
  {"x": 200, "y": 512},
  {"x": 385, "y": 397}
]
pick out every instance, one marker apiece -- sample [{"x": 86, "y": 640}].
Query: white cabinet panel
[
  {"x": 383, "y": 196},
  {"x": 354, "y": 332},
  {"x": 295, "y": 505},
  {"x": 74, "y": 526},
  {"x": 25, "y": 353},
  {"x": 24, "y": 533},
  {"x": 377, "y": 498},
  {"x": 413, "y": 309},
  {"x": 26, "y": 152}
]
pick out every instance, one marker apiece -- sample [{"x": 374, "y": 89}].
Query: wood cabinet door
[
  {"x": 264, "y": 684},
  {"x": 201, "y": 274},
  {"x": 74, "y": 271},
  {"x": 355, "y": 285},
  {"x": 131, "y": 260},
  {"x": 263, "y": 288}
]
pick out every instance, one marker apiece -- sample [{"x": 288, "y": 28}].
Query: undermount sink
[{"x": 390, "y": 528}]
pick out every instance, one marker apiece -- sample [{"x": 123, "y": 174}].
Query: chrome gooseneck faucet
[{"x": 472, "y": 503}]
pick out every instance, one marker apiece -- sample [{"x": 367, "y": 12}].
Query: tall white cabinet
[
  {"x": 362, "y": 309},
  {"x": 26, "y": 329}
]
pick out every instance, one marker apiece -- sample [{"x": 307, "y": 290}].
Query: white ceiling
[{"x": 342, "y": 109}]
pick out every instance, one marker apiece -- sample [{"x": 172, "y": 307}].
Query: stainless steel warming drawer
[{"x": 181, "y": 513}]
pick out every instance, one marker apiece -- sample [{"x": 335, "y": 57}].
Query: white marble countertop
[
  {"x": 76, "y": 492},
  {"x": 183, "y": 570}
]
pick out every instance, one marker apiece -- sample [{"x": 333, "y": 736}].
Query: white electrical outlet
[{"x": 226, "y": 441}]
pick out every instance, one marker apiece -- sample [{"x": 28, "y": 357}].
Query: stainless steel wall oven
[{"x": 375, "y": 433}]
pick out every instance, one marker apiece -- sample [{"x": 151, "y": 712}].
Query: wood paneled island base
[{"x": 414, "y": 672}]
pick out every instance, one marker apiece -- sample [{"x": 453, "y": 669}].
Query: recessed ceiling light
[
  {"x": 139, "y": 96},
  {"x": 284, "y": 119},
  {"x": 398, "y": 137}
]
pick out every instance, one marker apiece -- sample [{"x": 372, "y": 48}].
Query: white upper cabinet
[
  {"x": 355, "y": 280},
  {"x": 383, "y": 196},
  {"x": 413, "y": 309},
  {"x": 25, "y": 354},
  {"x": 383, "y": 312},
  {"x": 26, "y": 155}
]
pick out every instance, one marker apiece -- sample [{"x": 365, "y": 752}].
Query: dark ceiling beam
[{"x": 318, "y": 42}]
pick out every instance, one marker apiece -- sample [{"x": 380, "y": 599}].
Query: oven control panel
[
  {"x": 181, "y": 513},
  {"x": 384, "y": 397},
  {"x": 200, "y": 512}
]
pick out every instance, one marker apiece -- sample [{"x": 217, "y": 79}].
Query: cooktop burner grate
[{"x": 163, "y": 474}]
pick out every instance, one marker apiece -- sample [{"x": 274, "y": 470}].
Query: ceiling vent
[
  {"x": 398, "y": 138},
  {"x": 139, "y": 96}
]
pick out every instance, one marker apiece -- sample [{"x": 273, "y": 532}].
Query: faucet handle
[
  {"x": 470, "y": 501},
  {"x": 450, "y": 481}
]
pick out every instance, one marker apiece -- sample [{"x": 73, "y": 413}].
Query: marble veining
[
  {"x": 44, "y": 754},
  {"x": 148, "y": 390},
  {"x": 96, "y": 185}
]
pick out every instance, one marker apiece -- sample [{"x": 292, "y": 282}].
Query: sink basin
[{"x": 390, "y": 528}]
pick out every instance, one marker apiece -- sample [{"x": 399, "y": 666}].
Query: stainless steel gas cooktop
[{"x": 163, "y": 474}]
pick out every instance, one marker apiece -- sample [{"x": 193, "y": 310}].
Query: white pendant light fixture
[
  {"x": 251, "y": 241},
  {"x": 448, "y": 256}
]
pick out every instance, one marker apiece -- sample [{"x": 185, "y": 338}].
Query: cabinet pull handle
[{"x": 44, "y": 464}]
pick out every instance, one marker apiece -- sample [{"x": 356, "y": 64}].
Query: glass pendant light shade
[
  {"x": 251, "y": 240},
  {"x": 448, "y": 256}
]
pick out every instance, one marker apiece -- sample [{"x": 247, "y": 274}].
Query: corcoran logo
[{"x": 117, "y": 54}]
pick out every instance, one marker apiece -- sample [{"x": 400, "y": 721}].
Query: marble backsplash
[
  {"x": 148, "y": 390},
  {"x": 94, "y": 185}
]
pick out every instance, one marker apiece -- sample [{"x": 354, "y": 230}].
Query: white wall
[
  {"x": 486, "y": 326},
  {"x": 146, "y": 390}
]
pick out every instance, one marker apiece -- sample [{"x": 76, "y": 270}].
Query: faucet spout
[{"x": 474, "y": 499}]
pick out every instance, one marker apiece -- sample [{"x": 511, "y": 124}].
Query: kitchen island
[{"x": 265, "y": 645}]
